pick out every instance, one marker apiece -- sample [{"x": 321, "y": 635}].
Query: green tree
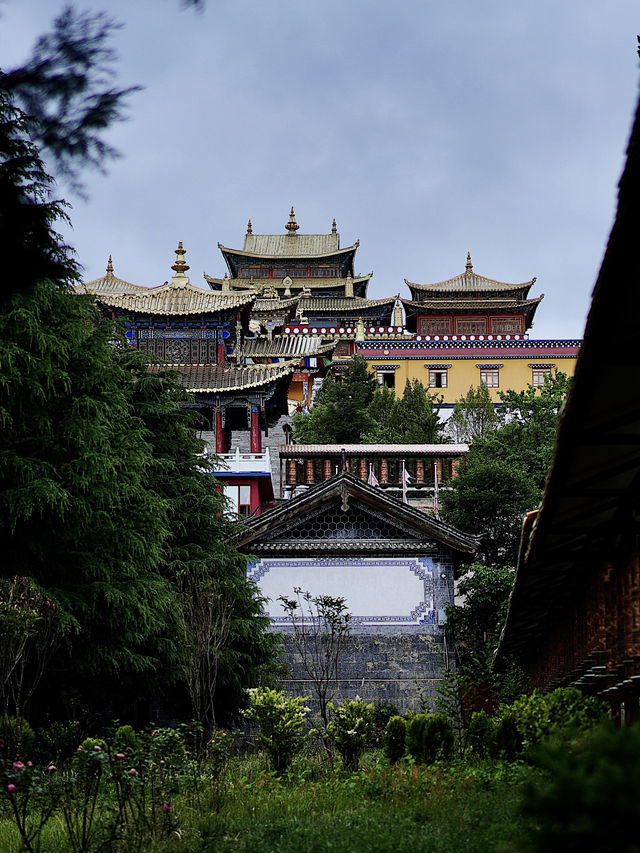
[
  {"x": 505, "y": 470},
  {"x": 473, "y": 416},
  {"x": 410, "y": 419},
  {"x": 340, "y": 414}
]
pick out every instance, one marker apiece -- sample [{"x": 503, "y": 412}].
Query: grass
[{"x": 457, "y": 807}]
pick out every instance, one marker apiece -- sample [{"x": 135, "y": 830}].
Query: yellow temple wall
[{"x": 515, "y": 373}]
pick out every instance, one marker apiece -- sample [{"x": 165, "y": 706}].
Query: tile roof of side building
[{"x": 470, "y": 282}]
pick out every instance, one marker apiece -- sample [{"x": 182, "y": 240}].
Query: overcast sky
[{"x": 427, "y": 129}]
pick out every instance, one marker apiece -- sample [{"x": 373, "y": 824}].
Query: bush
[
  {"x": 382, "y": 713},
  {"x": 591, "y": 797},
  {"x": 394, "y": 739},
  {"x": 350, "y": 729},
  {"x": 279, "y": 719},
  {"x": 480, "y": 736},
  {"x": 430, "y": 738},
  {"x": 559, "y": 713},
  {"x": 508, "y": 739},
  {"x": 16, "y": 738}
]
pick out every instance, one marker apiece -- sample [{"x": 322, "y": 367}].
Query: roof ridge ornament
[
  {"x": 469, "y": 266},
  {"x": 249, "y": 227},
  {"x": 110, "y": 267},
  {"x": 180, "y": 267},
  {"x": 334, "y": 227},
  {"x": 292, "y": 226}
]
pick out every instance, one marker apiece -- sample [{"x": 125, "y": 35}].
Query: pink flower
[
  {"x": 18, "y": 765},
  {"x": 120, "y": 755},
  {"x": 133, "y": 772},
  {"x": 11, "y": 789},
  {"x": 97, "y": 748},
  {"x": 167, "y": 807},
  {"x": 52, "y": 768}
]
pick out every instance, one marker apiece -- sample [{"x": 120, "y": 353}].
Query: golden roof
[{"x": 211, "y": 378}]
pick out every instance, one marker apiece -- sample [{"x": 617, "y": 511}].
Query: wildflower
[
  {"x": 18, "y": 765},
  {"x": 162, "y": 761},
  {"x": 167, "y": 807},
  {"x": 11, "y": 789},
  {"x": 133, "y": 772},
  {"x": 52, "y": 768},
  {"x": 120, "y": 755}
]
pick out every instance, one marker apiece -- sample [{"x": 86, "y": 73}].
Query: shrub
[
  {"x": 58, "y": 741},
  {"x": 480, "y": 736},
  {"x": 382, "y": 713},
  {"x": 430, "y": 738},
  {"x": 589, "y": 800},
  {"x": 394, "y": 739},
  {"x": 508, "y": 739},
  {"x": 350, "y": 729},
  {"x": 16, "y": 738},
  {"x": 279, "y": 719},
  {"x": 561, "y": 712},
  {"x": 127, "y": 738}
]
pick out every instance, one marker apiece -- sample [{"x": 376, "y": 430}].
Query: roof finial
[
  {"x": 249, "y": 227},
  {"x": 180, "y": 267},
  {"x": 469, "y": 267},
  {"x": 292, "y": 226},
  {"x": 110, "y": 266},
  {"x": 334, "y": 227}
]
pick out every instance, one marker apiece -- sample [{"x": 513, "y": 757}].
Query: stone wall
[{"x": 403, "y": 669}]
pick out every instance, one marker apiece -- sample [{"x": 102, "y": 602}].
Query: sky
[{"x": 427, "y": 129}]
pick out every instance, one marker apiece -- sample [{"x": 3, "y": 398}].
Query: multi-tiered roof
[
  {"x": 300, "y": 278},
  {"x": 470, "y": 304}
]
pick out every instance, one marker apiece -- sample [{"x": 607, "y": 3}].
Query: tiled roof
[
  {"x": 291, "y": 246},
  {"x": 262, "y": 305},
  {"x": 204, "y": 378},
  {"x": 469, "y": 282},
  {"x": 109, "y": 283},
  {"x": 410, "y": 451},
  {"x": 341, "y": 303},
  {"x": 288, "y": 346},
  {"x": 181, "y": 298},
  {"x": 470, "y": 304},
  {"x": 296, "y": 283}
]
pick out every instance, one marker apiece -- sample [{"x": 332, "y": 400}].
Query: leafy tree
[
  {"x": 321, "y": 630},
  {"x": 505, "y": 470},
  {"x": 410, "y": 419},
  {"x": 219, "y": 613},
  {"x": 340, "y": 414},
  {"x": 473, "y": 416}
]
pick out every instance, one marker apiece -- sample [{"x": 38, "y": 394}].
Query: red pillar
[
  {"x": 256, "y": 435},
  {"x": 221, "y": 439}
]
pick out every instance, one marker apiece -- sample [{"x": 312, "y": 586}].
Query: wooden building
[
  {"x": 199, "y": 333},
  {"x": 574, "y": 613}
]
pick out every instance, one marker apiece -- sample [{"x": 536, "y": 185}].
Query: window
[
  {"x": 386, "y": 380},
  {"x": 239, "y": 499},
  {"x": 490, "y": 378},
  {"x": 437, "y": 379},
  {"x": 538, "y": 377}
]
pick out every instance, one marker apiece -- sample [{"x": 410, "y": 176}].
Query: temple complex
[
  {"x": 200, "y": 334},
  {"x": 466, "y": 331}
]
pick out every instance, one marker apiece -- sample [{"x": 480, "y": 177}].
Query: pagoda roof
[
  {"x": 269, "y": 305},
  {"x": 176, "y": 298},
  {"x": 413, "y": 525},
  {"x": 109, "y": 283},
  {"x": 469, "y": 282},
  {"x": 319, "y": 304},
  {"x": 297, "y": 283},
  {"x": 288, "y": 346},
  {"x": 213, "y": 378},
  {"x": 475, "y": 305}
]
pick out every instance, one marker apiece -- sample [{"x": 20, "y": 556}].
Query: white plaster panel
[{"x": 378, "y": 590}]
